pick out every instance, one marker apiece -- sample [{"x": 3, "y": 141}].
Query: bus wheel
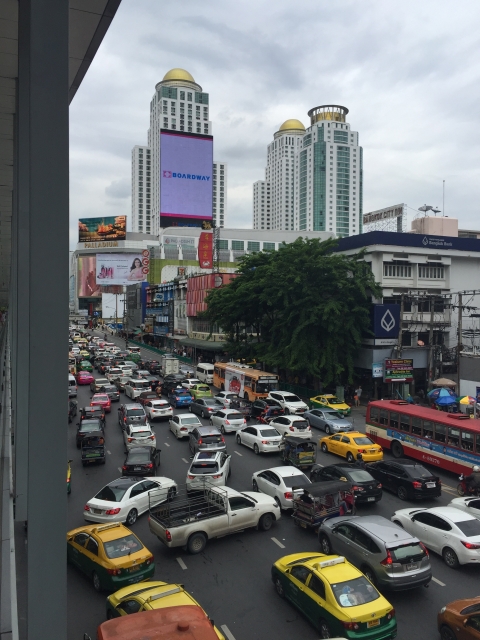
[{"x": 397, "y": 449}]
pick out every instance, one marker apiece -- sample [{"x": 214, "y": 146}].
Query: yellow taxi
[
  {"x": 335, "y": 596},
  {"x": 145, "y": 597},
  {"x": 349, "y": 445},
  {"x": 85, "y": 354},
  {"x": 330, "y": 401},
  {"x": 110, "y": 555}
]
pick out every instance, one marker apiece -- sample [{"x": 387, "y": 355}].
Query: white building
[
  {"x": 261, "y": 205},
  {"x": 219, "y": 192},
  {"x": 141, "y": 190}
]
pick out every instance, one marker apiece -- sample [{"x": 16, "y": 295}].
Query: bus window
[
  {"x": 440, "y": 432},
  {"x": 454, "y": 437},
  {"x": 477, "y": 450},
  {"x": 427, "y": 429},
  {"x": 218, "y": 372},
  {"x": 383, "y": 417},
  {"x": 467, "y": 440},
  {"x": 374, "y": 414},
  {"x": 394, "y": 420},
  {"x": 417, "y": 426},
  {"x": 404, "y": 423}
]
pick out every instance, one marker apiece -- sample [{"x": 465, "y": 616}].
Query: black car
[
  {"x": 171, "y": 382},
  {"x": 132, "y": 413},
  {"x": 93, "y": 412},
  {"x": 366, "y": 488},
  {"x": 266, "y": 408},
  {"x": 87, "y": 426},
  {"x": 111, "y": 391},
  {"x": 141, "y": 461},
  {"x": 407, "y": 479}
]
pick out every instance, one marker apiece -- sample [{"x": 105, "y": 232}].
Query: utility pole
[
  {"x": 116, "y": 314},
  {"x": 430, "y": 342},
  {"x": 459, "y": 342},
  {"x": 125, "y": 328},
  {"x": 400, "y": 328}
]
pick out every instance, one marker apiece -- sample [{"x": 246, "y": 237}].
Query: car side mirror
[{"x": 343, "y": 479}]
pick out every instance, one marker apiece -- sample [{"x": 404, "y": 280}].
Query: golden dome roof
[
  {"x": 178, "y": 74},
  {"x": 292, "y": 124}
]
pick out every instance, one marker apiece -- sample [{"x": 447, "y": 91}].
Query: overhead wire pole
[
  {"x": 459, "y": 343},
  {"x": 430, "y": 342}
]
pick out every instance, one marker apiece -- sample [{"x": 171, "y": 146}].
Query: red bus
[{"x": 450, "y": 441}]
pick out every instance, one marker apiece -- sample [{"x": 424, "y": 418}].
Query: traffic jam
[{"x": 336, "y": 527}]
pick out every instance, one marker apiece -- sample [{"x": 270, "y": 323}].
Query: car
[
  {"x": 181, "y": 424},
  {"x": 180, "y": 397},
  {"x": 227, "y": 397},
  {"x": 132, "y": 413},
  {"x": 292, "y": 426},
  {"x": 146, "y": 396},
  {"x": 84, "y": 377},
  {"x": 407, "y": 478},
  {"x": 290, "y": 403},
  {"x": 141, "y": 461},
  {"x": 135, "y": 386},
  {"x": 170, "y": 382},
  {"x": 264, "y": 409},
  {"x": 364, "y": 486},
  {"x": 85, "y": 354},
  {"x": 187, "y": 371},
  {"x": 153, "y": 381},
  {"x": 126, "y": 369},
  {"x": 387, "y": 554},
  {"x": 460, "y": 615},
  {"x": 85, "y": 427},
  {"x": 153, "y": 366},
  {"x": 206, "y": 439},
  {"x": 158, "y": 409},
  {"x": 138, "y": 436},
  {"x": 111, "y": 391},
  {"x": 205, "y": 407},
  {"x": 278, "y": 482},
  {"x": 328, "y": 420},
  {"x": 110, "y": 555},
  {"x": 329, "y": 401},
  {"x": 97, "y": 384},
  {"x": 120, "y": 382},
  {"x": 450, "y": 532},
  {"x": 85, "y": 365},
  {"x": 201, "y": 390},
  {"x": 470, "y": 505},
  {"x": 335, "y": 596},
  {"x": 126, "y": 498},
  {"x": 96, "y": 411},
  {"x": 208, "y": 466},
  {"x": 111, "y": 373},
  {"x": 101, "y": 400},
  {"x": 228, "y": 420},
  {"x": 189, "y": 382},
  {"x": 349, "y": 445},
  {"x": 260, "y": 437},
  {"x": 141, "y": 373}
]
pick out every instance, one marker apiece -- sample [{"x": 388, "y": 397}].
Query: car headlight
[{"x": 443, "y": 609}]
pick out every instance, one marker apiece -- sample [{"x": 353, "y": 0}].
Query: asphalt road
[{"x": 231, "y": 578}]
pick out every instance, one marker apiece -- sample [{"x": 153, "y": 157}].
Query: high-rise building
[
  {"x": 219, "y": 192},
  {"x": 186, "y": 168},
  {"x": 315, "y": 176}
]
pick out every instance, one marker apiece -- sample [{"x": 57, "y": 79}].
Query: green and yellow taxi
[
  {"x": 85, "y": 365},
  {"x": 335, "y": 596},
  {"x": 329, "y": 401},
  {"x": 85, "y": 354},
  {"x": 110, "y": 555},
  {"x": 200, "y": 390},
  {"x": 145, "y": 597}
]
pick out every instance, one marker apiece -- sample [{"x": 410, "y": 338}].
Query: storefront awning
[{"x": 207, "y": 345}]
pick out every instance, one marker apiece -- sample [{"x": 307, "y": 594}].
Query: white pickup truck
[{"x": 190, "y": 520}]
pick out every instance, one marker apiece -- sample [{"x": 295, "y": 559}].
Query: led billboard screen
[
  {"x": 186, "y": 169},
  {"x": 98, "y": 229},
  {"x": 87, "y": 286},
  {"x": 122, "y": 268}
]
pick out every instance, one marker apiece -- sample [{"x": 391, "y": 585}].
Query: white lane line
[
  {"x": 109, "y": 452},
  {"x": 120, "y": 469},
  {"x": 166, "y": 444},
  {"x": 227, "y": 632},
  {"x": 282, "y": 546},
  {"x": 238, "y": 454},
  {"x": 181, "y": 563},
  {"x": 442, "y": 584},
  {"x": 186, "y": 461}
]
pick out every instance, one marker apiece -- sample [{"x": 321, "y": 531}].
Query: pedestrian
[{"x": 358, "y": 395}]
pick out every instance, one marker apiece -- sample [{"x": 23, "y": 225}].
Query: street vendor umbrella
[
  {"x": 466, "y": 400},
  {"x": 444, "y": 382},
  {"x": 442, "y": 396}
]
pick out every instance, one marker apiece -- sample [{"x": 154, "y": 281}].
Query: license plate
[
  {"x": 137, "y": 468},
  {"x": 412, "y": 566},
  {"x": 373, "y": 623},
  {"x": 98, "y": 511},
  {"x": 372, "y": 451},
  {"x": 133, "y": 569},
  {"x": 431, "y": 485},
  {"x": 370, "y": 499}
]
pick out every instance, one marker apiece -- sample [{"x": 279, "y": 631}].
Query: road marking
[
  {"x": 227, "y": 632},
  {"x": 120, "y": 469},
  {"x": 109, "y": 452},
  {"x": 238, "y": 454},
  {"x": 166, "y": 444},
  {"x": 186, "y": 461},
  {"x": 181, "y": 563},
  {"x": 282, "y": 546},
  {"x": 442, "y": 584}
]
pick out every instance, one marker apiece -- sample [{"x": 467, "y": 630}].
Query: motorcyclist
[
  {"x": 472, "y": 481},
  {"x": 360, "y": 462}
]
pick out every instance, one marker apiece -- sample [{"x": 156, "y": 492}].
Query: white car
[
  {"x": 112, "y": 373},
  {"x": 123, "y": 500},
  {"x": 278, "y": 483},
  {"x": 135, "y": 386},
  {"x": 227, "y": 397},
  {"x": 208, "y": 466},
  {"x": 158, "y": 409},
  {"x": 448, "y": 531},
  {"x": 189, "y": 382},
  {"x": 142, "y": 372},
  {"x": 289, "y": 402},
  {"x": 228, "y": 420},
  {"x": 261, "y": 438},
  {"x": 126, "y": 369},
  {"x": 470, "y": 505},
  {"x": 138, "y": 436},
  {"x": 181, "y": 424},
  {"x": 292, "y": 426}
]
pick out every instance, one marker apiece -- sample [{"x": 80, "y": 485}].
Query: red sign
[{"x": 205, "y": 250}]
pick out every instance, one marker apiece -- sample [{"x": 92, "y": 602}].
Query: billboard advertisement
[
  {"x": 205, "y": 250},
  {"x": 87, "y": 286},
  {"x": 186, "y": 188},
  {"x": 100, "y": 229},
  {"x": 122, "y": 268},
  {"x": 398, "y": 370},
  {"x": 234, "y": 381},
  {"x": 383, "y": 214}
]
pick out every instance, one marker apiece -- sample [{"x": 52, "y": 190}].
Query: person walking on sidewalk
[{"x": 358, "y": 395}]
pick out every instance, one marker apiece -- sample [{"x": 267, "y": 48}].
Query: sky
[{"x": 408, "y": 73}]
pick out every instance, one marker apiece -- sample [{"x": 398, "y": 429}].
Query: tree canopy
[{"x": 304, "y": 308}]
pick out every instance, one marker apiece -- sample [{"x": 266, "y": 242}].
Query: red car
[
  {"x": 84, "y": 377},
  {"x": 101, "y": 400}
]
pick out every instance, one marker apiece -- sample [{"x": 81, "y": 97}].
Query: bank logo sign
[{"x": 388, "y": 321}]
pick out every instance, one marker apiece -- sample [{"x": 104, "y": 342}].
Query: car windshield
[
  {"x": 269, "y": 433},
  {"x": 89, "y": 426},
  {"x": 360, "y": 476},
  {"x": 189, "y": 420},
  {"x": 178, "y": 392},
  {"x": 291, "y": 398},
  {"x": 470, "y": 528},
  {"x": 200, "y": 468},
  {"x": 160, "y": 403},
  {"x": 417, "y": 471},
  {"x": 139, "y": 455},
  {"x": 409, "y": 552},
  {"x": 110, "y": 389},
  {"x": 363, "y": 440},
  {"x": 202, "y": 388},
  {"x": 333, "y": 415},
  {"x": 300, "y": 424},
  {"x": 354, "y": 592},
  {"x": 122, "y": 546},
  {"x": 112, "y": 493},
  {"x": 141, "y": 434},
  {"x": 140, "y": 385},
  {"x": 235, "y": 416},
  {"x": 100, "y": 399},
  {"x": 299, "y": 480},
  {"x": 135, "y": 412},
  {"x": 211, "y": 439},
  {"x": 333, "y": 401}
]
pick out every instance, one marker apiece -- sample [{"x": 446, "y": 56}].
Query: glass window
[
  {"x": 238, "y": 245},
  {"x": 427, "y": 429},
  {"x": 394, "y": 420},
  {"x": 92, "y": 546},
  {"x": 383, "y": 417},
  {"x": 300, "y": 572},
  {"x": 440, "y": 432},
  {"x": 374, "y": 414},
  {"x": 253, "y": 246},
  {"x": 317, "y": 586},
  {"x": 269, "y": 246},
  {"x": 404, "y": 422},
  {"x": 223, "y": 245},
  {"x": 417, "y": 426},
  {"x": 454, "y": 437},
  {"x": 467, "y": 440}
]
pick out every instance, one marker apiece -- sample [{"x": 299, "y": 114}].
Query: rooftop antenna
[
  {"x": 435, "y": 211},
  {"x": 425, "y": 208},
  {"x": 444, "y": 197}
]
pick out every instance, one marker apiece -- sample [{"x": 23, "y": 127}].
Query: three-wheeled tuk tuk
[
  {"x": 298, "y": 452},
  {"x": 93, "y": 448},
  {"x": 321, "y": 501}
]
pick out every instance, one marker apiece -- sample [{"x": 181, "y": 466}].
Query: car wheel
[
  {"x": 266, "y": 522},
  {"x": 325, "y": 545},
  {"x": 327, "y": 430},
  {"x": 350, "y": 457},
  {"x": 402, "y": 493},
  {"x": 397, "y": 449},
  {"x": 324, "y": 629},
  {"x": 369, "y": 574},
  {"x": 172, "y": 492},
  {"x": 196, "y": 543},
  {"x": 254, "y": 485},
  {"x": 279, "y": 588},
  {"x": 132, "y": 517},
  {"x": 447, "y": 634},
  {"x": 256, "y": 450},
  {"x": 450, "y": 558},
  {"x": 324, "y": 447},
  {"x": 239, "y": 440},
  {"x": 222, "y": 429},
  {"x": 96, "y": 582}
]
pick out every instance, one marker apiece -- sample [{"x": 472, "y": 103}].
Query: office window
[
  {"x": 238, "y": 245},
  {"x": 269, "y": 246},
  {"x": 253, "y": 246}
]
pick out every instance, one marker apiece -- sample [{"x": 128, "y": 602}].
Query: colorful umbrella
[
  {"x": 466, "y": 400},
  {"x": 442, "y": 396}
]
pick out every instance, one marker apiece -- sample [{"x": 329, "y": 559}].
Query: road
[{"x": 231, "y": 578}]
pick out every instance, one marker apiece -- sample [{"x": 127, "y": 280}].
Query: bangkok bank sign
[{"x": 185, "y": 176}]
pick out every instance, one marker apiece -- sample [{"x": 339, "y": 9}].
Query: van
[
  {"x": 205, "y": 372},
  {"x": 72, "y": 385}
]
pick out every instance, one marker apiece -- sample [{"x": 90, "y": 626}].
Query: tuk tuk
[
  {"x": 298, "y": 452},
  {"x": 321, "y": 501},
  {"x": 93, "y": 448}
]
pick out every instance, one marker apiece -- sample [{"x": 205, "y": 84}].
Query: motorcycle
[{"x": 462, "y": 489}]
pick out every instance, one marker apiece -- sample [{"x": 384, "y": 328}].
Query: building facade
[
  {"x": 219, "y": 193},
  {"x": 141, "y": 190}
]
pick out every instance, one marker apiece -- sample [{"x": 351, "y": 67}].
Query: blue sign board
[{"x": 386, "y": 320}]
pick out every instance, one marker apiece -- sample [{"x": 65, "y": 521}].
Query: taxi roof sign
[
  {"x": 330, "y": 563},
  {"x": 105, "y": 527}
]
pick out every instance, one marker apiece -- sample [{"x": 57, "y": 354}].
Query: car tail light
[
  {"x": 416, "y": 484},
  {"x": 114, "y": 572},
  {"x": 217, "y": 476},
  {"x": 200, "y": 441},
  {"x": 424, "y": 547},
  {"x": 351, "y": 626},
  {"x": 149, "y": 560},
  {"x": 223, "y": 439},
  {"x": 130, "y": 439},
  {"x": 309, "y": 427},
  {"x": 388, "y": 560},
  {"x": 124, "y": 467},
  {"x": 227, "y": 421},
  {"x": 356, "y": 488},
  {"x": 265, "y": 442},
  {"x": 379, "y": 485},
  {"x": 86, "y": 508},
  {"x": 288, "y": 495},
  {"x": 439, "y": 481},
  {"x": 292, "y": 428},
  {"x": 149, "y": 465},
  {"x": 190, "y": 477},
  {"x": 151, "y": 437},
  {"x": 112, "y": 512},
  {"x": 362, "y": 451},
  {"x": 168, "y": 535},
  {"x": 124, "y": 419},
  {"x": 177, "y": 399},
  {"x": 391, "y": 614},
  {"x": 470, "y": 545},
  {"x": 185, "y": 429}
]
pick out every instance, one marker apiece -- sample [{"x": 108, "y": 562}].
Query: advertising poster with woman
[
  {"x": 122, "y": 268},
  {"x": 234, "y": 381}
]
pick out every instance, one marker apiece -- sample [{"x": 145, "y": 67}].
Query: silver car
[
  {"x": 141, "y": 436},
  {"x": 228, "y": 420},
  {"x": 390, "y": 557},
  {"x": 328, "y": 420}
]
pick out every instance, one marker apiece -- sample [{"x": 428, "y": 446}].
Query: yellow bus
[{"x": 246, "y": 382}]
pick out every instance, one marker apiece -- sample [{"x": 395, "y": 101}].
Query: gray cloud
[{"x": 119, "y": 189}]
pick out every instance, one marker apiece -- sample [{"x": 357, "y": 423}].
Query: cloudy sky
[{"x": 408, "y": 72}]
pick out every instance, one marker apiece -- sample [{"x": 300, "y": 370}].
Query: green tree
[{"x": 303, "y": 308}]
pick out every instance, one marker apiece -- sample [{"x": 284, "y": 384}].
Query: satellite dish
[
  {"x": 435, "y": 211},
  {"x": 426, "y": 207}
]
